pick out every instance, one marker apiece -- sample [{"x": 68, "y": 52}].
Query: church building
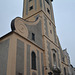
[{"x": 33, "y": 47}]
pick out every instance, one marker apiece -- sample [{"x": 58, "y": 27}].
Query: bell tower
[
  {"x": 43, "y": 8},
  {"x": 32, "y": 7}
]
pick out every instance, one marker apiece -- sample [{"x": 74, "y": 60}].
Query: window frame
[
  {"x": 54, "y": 59},
  {"x": 33, "y": 60},
  {"x": 64, "y": 71},
  {"x": 33, "y": 36},
  {"x": 30, "y": 8},
  {"x": 48, "y": 10}
]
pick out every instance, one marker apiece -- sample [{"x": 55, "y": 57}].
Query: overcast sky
[{"x": 64, "y": 13}]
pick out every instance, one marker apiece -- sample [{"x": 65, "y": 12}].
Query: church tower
[
  {"x": 43, "y": 9},
  {"x": 32, "y": 7}
]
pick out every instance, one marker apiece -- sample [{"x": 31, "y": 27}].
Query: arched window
[
  {"x": 33, "y": 58},
  {"x": 64, "y": 71},
  {"x": 54, "y": 59}
]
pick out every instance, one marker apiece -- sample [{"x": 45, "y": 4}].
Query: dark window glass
[
  {"x": 51, "y": 31},
  {"x": 54, "y": 58},
  {"x": 19, "y": 73},
  {"x": 63, "y": 59},
  {"x": 64, "y": 71},
  {"x": 31, "y": 8},
  {"x": 47, "y": 1},
  {"x": 33, "y": 55},
  {"x": 33, "y": 36},
  {"x": 48, "y": 10},
  {"x": 30, "y": 0},
  {"x": 51, "y": 0},
  {"x": 49, "y": 23}
]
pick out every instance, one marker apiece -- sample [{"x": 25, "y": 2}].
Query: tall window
[
  {"x": 64, "y": 71},
  {"x": 48, "y": 10},
  {"x": 33, "y": 57},
  {"x": 54, "y": 59},
  {"x": 63, "y": 59},
  {"x": 31, "y": 8},
  {"x": 54, "y": 34},
  {"x": 33, "y": 36}
]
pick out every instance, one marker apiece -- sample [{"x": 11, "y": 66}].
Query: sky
[{"x": 64, "y": 13}]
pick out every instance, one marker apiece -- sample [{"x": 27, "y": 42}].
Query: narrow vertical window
[
  {"x": 33, "y": 36},
  {"x": 54, "y": 34},
  {"x": 31, "y": 8},
  {"x": 64, "y": 71},
  {"x": 54, "y": 59},
  {"x": 33, "y": 57},
  {"x": 48, "y": 10},
  {"x": 51, "y": 31}
]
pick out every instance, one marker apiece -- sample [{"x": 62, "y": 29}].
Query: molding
[
  {"x": 64, "y": 63},
  {"x": 21, "y": 37},
  {"x": 29, "y": 41},
  {"x": 44, "y": 13},
  {"x": 51, "y": 41}
]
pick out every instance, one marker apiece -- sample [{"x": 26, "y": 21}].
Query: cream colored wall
[
  {"x": 33, "y": 10},
  {"x": 47, "y": 6},
  {"x": 46, "y": 38},
  {"x": 31, "y": 15},
  {"x": 46, "y": 56},
  {"x": 11, "y": 70},
  {"x": 52, "y": 46},
  {"x": 11, "y": 66},
  {"x": 66, "y": 60},
  {"x": 50, "y": 27},
  {"x": 66, "y": 66},
  {"x": 51, "y": 11},
  {"x": 32, "y": 48}
]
